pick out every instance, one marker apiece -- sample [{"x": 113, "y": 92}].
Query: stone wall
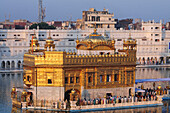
[
  {"x": 49, "y": 93},
  {"x": 100, "y": 93}
]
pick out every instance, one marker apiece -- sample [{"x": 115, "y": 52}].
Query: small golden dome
[
  {"x": 73, "y": 91},
  {"x": 89, "y": 41},
  {"x": 77, "y": 41},
  {"x": 49, "y": 40},
  {"x": 24, "y": 92},
  {"x": 35, "y": 40},
  {"x": 13, "y": 89},
  {"x": 113, "y": 41}
]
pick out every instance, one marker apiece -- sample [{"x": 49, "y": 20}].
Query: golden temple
[{"x": 96, "y": 70}]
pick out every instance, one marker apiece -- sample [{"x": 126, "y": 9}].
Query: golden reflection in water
[{"x": 138, "y": 110}]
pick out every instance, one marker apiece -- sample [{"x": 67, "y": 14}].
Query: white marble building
[{"x": 152, "y": 42}]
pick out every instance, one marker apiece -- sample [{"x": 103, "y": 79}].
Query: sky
[{"x": 72, "y": 9}]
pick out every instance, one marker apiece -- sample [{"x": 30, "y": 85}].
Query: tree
[{"x": 42, "y": 25}]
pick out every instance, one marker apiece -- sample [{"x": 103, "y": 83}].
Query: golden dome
[
  {"x": 49, "y": 40},
  {"x": 13, "y": 89},
  {"x": 35, "y": 40},
  {"x": 73, "y": 91},
  {"x": 95, "y": 37},
  {"x": 113, "y": 41},
  {"x": 89, "y": 41},
  {"x": 24, "y": 92},
  {"x": 96, "y": 41},
  {"x": 77, "y": 41}
]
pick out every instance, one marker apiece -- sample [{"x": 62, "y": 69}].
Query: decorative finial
[{"x": 77, "y": 41}]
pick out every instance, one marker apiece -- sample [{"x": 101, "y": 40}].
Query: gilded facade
[{"x": 54, "y": 75}]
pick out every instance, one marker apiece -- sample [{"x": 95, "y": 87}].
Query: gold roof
[
  {"x": 95, "y": 37},
  {"x": 95, "y": 41},
  {"x": 49, "y": 39},
  {"x": 34, "y": 40}
]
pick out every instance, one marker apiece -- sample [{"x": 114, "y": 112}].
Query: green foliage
[{"x": 42, "y": 25}]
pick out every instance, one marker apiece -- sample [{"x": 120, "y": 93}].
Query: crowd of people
[
  {"x": 148, "y": 95},
  {"x": 115, "y": 99}
]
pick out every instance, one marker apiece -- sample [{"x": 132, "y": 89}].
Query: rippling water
[{"x": 8, "y": 80}]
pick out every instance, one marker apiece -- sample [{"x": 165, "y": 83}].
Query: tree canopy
[{"x": 42, "y": 25}]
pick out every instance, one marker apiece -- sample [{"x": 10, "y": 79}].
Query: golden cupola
[
  {"x": 49, "y": 43},
  {"x": 34, "y": 45},
  {"x": 95, "y": 42},
  {"x": 129, "y": 44}
]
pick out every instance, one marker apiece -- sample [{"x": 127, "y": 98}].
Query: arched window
[
  {"x": 89, "y": 79},
  {"x": 28, "y": 78},
  {"x": 3, "y": 64},
  {"x": 19, "y": 64},
  {"x": 12, "y": 64},
  {"x": 8, "y": 64},
  {"x": 116, "y": 77}
]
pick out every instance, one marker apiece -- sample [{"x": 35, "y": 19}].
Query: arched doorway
[
  {"x": 139, "y": 60},
  {"x": 8, "y": 64},
  {"x": 3, "y": 64},
  {"x": 13, "y": 64},
  {"x": 152, "y": 61},
  {"x": 156, "y": 60},
  {"x": 143, "y": 60},
  {"x": 148, "y": 60},
  {"x": 19, "y": 64},
  {"x": 72, "y": 94},
  {"x": 130, "y": 92}
]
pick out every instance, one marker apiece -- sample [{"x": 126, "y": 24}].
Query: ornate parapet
[{"x": 115, "y": 59}]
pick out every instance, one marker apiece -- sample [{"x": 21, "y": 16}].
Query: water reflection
[
  {"x": 153, "y": 73},
  {"x": 8, "y": 80},
  {"x": 138, "y": 110}
]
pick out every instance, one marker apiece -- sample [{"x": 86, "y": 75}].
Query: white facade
[{"x": 152, "y": 42}]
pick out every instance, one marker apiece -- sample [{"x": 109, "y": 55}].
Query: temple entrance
[{"x": 72, "y": 94}]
